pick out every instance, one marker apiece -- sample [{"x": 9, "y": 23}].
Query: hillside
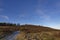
[
  {"x": 34, "y": 28},
  {"x": 33, "y": 32},
  {"x": 30, "y": 32}
]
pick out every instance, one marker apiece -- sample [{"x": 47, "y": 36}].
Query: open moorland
[{"x": 29, "y": 32}]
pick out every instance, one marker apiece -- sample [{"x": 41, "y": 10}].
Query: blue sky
[{"x": 39, "y": 12}]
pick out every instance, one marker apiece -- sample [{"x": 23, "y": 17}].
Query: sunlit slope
[
  {"x": 31, "y": 32},
  {"x": 27, "y": 28},
  {"x": 34, "y": 28}
]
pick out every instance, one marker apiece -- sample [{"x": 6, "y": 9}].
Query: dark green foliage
[{"x": 7, "y": 24}]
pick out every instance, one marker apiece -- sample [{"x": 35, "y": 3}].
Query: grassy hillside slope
[{"x": 31, "y": 32}]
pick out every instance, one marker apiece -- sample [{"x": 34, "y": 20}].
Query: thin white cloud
[
  {"x": 5, "y": 17},
  {"x": 42, "y": 12},
  {"x": 22, "y": 16},
  {"x": 48, "y": 14},
  {"x": 43, "y": 15}
]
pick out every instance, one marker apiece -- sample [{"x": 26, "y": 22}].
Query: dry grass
[{"x": 32, "y": 32}]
